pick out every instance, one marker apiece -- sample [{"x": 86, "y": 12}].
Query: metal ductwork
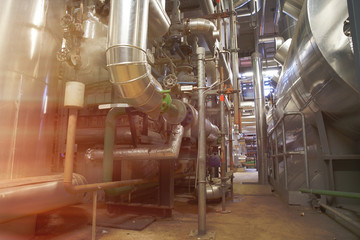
[
  {"x": 169, "y": 151},
  {"x": 126, "y": 56}
]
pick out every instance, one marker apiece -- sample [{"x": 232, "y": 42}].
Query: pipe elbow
[
  {"x": 69, "y": 187},
  {"x": 202, "y": 26}
]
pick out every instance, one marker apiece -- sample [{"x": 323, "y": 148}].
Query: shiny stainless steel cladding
[
  {"x": 159, "y": 152},
  {"x": 282, "y": 51},
  {"x": 318, "y": 73},
  {"x": 159, "y": 22},
  {"x": 28, "y": 78},
  {"x": 126, "y": 56},
  {"x": 318, "y": 80},
  {"x": 293, "y": 8}
]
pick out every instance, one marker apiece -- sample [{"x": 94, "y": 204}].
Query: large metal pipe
[
  {"x": 260, "y": 117},
  {"x": 126, "y": 56},
  {"x": 293, "y": 8},
  {"x": 201, "y": 158},
  {"x": 207, "y": 7},
  {"x": 234, "y": 65},
  {"x": 192, "y": 121},
  {"x": 158, "y": 152},
  {"x": 254, "y": 8},
  {"x": 122, "y": 136},
  {"x": 202, "y": 26},
  {"x": 28, "y": 196},
  {"x": 159, "y": 22},
  {"x": 69, "y": 164},
  {"x": 223, "y": 146}
]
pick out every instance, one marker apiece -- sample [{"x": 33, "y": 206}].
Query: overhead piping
[{"x": 127, "y": 60}]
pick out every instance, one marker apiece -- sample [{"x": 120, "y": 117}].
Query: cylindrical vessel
[
  {"x": 318, "y": 74},
  {"x": 31, "y": 35},
  {"x": 318, "y": 79}
]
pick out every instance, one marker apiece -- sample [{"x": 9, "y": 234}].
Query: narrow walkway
[{"x": 256, "y": 214}]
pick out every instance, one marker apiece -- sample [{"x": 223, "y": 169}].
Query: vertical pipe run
[
  {"x": 70, "y": 146},
  {"x": 234, "y": 64},
  {"x": 284, "y": 155},
  {"x": 223, "y": 147},
  {"x": 200, "y": 51},
  {"x": 93, "y": 232},
  {"x": 260, "y": 117},
  {"x": 276, "y": 158}
]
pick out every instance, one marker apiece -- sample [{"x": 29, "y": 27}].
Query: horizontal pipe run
[
  {"x": 28, "y": 196},
  {"x": 331, "y": 193},
  {"x": 122, "y": 136},
  {"x": 168, "y": 151},
  {"x": 69, "y": 164}
]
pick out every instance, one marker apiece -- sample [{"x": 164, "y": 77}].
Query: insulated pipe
[
  {"x": 28, "y": 196},
  {"x": 127, "y": 60},
  {"x": 192, "y": 121},
  {"x": 278, "y": 41},
  {"x": 223, "y": 147},
  {"x": 207, "y": 6},
  {"x": 159, "y": 21},
  {"x": 162, "y": 152},
  {"x": 262, "y": 25},
  {"x": 245, "y": 13},
  {"x": 260, "y": 117},
  {"x": 201, "y": 158},
  {"x": 234, "y": 65},
  {"x": 202, "y": 26},
  {"x": 122, "y": 136},
  {"x": 69, "y": 164},
  {"x": 126, "y": 56}
]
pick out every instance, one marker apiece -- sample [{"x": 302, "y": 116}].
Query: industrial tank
[
  {"x": 30, "y": 35},
  {"x": 318, "y": 80}
]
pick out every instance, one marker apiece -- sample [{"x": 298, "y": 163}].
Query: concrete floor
[{"x": 256, "y": 213}]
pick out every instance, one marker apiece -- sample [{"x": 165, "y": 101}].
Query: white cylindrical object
[{"x": 74, "y": 94}]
